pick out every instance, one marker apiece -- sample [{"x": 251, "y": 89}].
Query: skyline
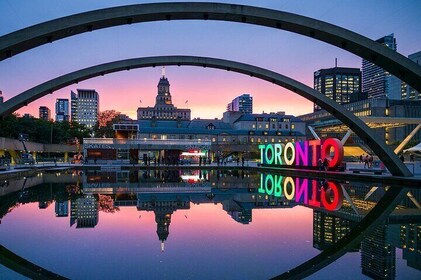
[{"x": 298, "y": 58}]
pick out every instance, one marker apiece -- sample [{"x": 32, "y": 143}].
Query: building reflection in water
[
  {"x": 378, "y": 249},
  {"x": 239, "y": 192}
]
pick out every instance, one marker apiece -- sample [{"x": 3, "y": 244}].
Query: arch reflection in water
[{"x": 171, "y": 201}]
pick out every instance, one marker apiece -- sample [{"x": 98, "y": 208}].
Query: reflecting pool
[{"x": 202, "y": 224}]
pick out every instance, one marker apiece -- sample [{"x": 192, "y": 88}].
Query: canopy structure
[{"x": 416, "y": 149}]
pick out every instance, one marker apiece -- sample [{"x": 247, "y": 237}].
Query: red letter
[
  {"x": 337, "y": 197},
  {"x": 313, "y": 201},
  {"x": 338, "y": 155},
  {"x": 315, "y": 154}
]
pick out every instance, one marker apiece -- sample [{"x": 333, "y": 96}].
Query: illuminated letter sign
[{"x": 305, "y": 153}]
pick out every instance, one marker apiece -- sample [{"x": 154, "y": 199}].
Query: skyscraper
[
  {"x": 85, "y": 107},
  {"x": 377, "y": 82},
  {"x": 62, "y": 110},
  {"x": 44, "y": 113},
  {"x": 407, "y": 91},
  {"x": 86, "y": 212},
  {"x": 73, "y": 105},
  {"x": 338, "y": 83},
  {"x": 378, "y": 257},
  {"x": 62, "y": 208},
  {"x": 242, "y": 103},
  {"x": 163, "y": 109}
]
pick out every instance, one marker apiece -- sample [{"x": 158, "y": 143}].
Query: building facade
[
  {"x": 376, "y": 81},
  {"x": 408, "y": 93},
  {"x": 236, "y": 133},
  {"x": 62, "y": 110},
  {"x": 325, "y": 123},
  {"x": 85, "y": 107},
  {"x": 242, "y": 103},
  {"x": 44, "y": 113},
  {"x": 339, "y": 84},
  {"x": 164, "y": 109}
]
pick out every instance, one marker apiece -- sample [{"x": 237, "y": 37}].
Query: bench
[{"x": 368, "y": 170}]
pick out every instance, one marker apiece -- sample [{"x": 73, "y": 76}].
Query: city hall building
[{"x": 165, "y": 134}]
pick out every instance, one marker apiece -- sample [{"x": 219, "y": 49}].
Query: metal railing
[{"x": 114, "y": 141}]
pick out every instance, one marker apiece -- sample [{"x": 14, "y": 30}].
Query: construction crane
[{"x": 26, "y": 156}]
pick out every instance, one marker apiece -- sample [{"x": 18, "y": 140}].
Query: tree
[
  {"x": 42, "y": 131},
  {"x": 104, "y": 126}
]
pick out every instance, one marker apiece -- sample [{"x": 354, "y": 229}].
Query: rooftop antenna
[
  {"x": 163, "y": 71},
  {"x": 336, "y": 62}
]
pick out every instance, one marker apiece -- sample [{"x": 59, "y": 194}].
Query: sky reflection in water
[{"x": 191, "y": 225}]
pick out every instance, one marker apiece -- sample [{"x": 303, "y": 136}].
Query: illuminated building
[
  {"x": 85, "y": 107},
  {"x": 410, "y": 242},
  {"x": 407, "y": 91},
  {"x": 44, "y": 113},
  {"x": 327, "y": 125},
  {"x": 86, "y": 212},
  {"x": 242, "y": 103},
  {"x": 62, "y": 208},
  {"x": 339, "y": 84},
  {"x": 378, "y": 258},
  {"x": 62, "y": 110},
  {"x": 163, "y": 109},
  {"x": 376, "y": 81},
  {"x": 328, "y": 229}
]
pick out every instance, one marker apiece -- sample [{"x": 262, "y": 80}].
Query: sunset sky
[{"x": 207, "y": 90}]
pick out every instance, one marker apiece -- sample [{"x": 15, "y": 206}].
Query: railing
[{"x": 113, "y": 141}]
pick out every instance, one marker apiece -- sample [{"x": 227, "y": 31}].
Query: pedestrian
[
  {"x": 366, "y": 161},
  {"x": 370, "y": 161},
  {"x": 320, "y": 164},
  {"x": 325, "y": 164},
  {"x": 361, "y": 158},
  {"x": 411, "y": 158},
  {"x": 402, "y": 158}
]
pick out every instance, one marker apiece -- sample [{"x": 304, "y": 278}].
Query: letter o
[
  {"x": 289, "y": 195},
  {"x": 337, "y": 197},
  {"x": 289, "y": 146},
  {"x": 337, "y": 156}
]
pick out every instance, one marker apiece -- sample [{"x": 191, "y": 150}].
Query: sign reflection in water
[{"x": 326, "y": 194}]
